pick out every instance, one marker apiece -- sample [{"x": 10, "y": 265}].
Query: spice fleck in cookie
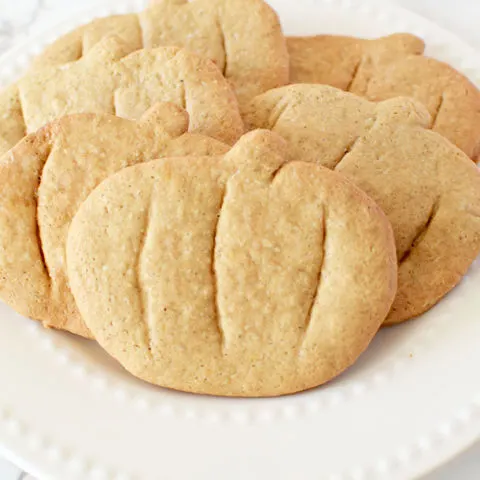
[
  {"x": 107, "y": 81},
  {"x": 243, "y": 37},
  {"x": 428, "y": 188},
  {"x": 389, "y": 67},
  {"x": 239, "y": 275},
  {"x": 47, "y": 176}
]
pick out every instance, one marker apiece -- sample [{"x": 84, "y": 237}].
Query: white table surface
[{"x": 19, "y": 18}]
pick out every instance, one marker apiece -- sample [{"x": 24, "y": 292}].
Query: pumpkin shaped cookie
[
  {"x": 107, "y": 81},
  {"x": 388, "y": 67},
  {"x": 429, "y": 189},
  {"x": 47, "y": 176},
  {"x": 243, "y": 37},
  {"x": 237, "y": 275}
]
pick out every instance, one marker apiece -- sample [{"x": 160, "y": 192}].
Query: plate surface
[{"x": 409, "y": 404}]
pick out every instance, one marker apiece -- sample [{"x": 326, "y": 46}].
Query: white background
[{"x": 21, "y": 17}]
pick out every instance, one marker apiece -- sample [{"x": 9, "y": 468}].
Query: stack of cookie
[{"x": 227, "y": 211}]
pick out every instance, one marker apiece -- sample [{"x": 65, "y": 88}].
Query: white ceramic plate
[{"x": 410, "y": 403}]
